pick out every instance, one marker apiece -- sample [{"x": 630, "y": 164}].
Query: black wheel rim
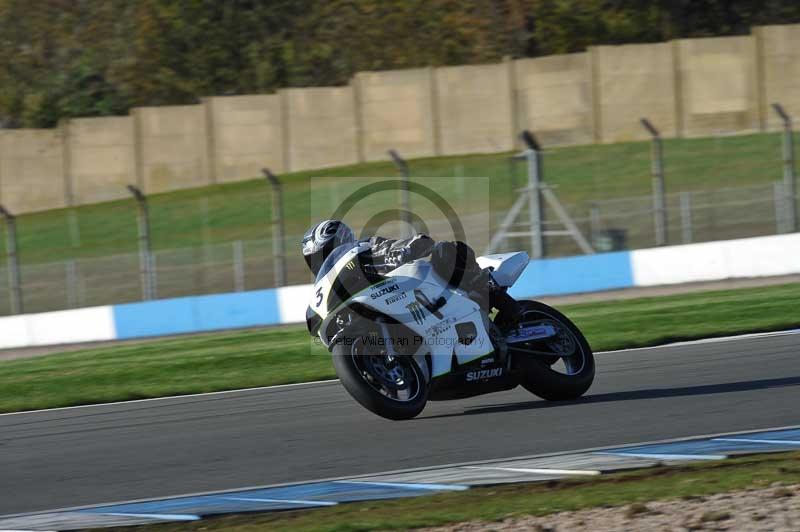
[
  {"x": 396, "y": 378},
  {"x": 564, "y": 345}
]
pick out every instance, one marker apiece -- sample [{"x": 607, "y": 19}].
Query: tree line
[{"x": 68, "y": 58}]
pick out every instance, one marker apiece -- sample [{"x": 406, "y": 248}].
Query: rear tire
[
  {"x": 540, "y": 378},
  {"x": 361, "y": 377}
]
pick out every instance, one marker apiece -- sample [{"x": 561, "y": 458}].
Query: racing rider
[{"x": 453, "y": 261}]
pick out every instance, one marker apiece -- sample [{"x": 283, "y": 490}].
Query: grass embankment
[
  {"x": 501, "y": 502},
  {"x": 241, "y": 211},
  {"x": 287, "y": 355}
]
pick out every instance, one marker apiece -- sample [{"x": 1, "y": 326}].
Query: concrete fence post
[
  {"x": 211, "y": 144},
  {"x": 761, "y": 60},
  {"x": 358, "y": 117},
  {"x": 436, "y": 119},
  {"x": 789, "y": 176},
  {"x": 138, "y": 147},
  {"x": 513, "y": 98},
  {"x": 678, "y": 82},
  {"x": 657, "y": 169},
  {"x": 14, "y": 282},
  {"x": 66, "y": 162},
  {"x": 286, "y": 137},
  {"x": 278, "y": 239},
  {"x": 596, "y": 93}
]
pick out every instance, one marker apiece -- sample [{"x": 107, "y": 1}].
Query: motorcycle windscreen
[
  {"x": 350, "y": 277},
  {"x": 331, "y": 260}
]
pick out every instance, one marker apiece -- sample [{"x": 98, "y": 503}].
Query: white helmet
[{"x": 321, "y": 239}]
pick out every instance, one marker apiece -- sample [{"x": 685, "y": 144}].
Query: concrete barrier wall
[
  {"x": 474, "y": 106},
  {"x": 709, "y": 261},
  {"x": 246, "y": 136},
  {"x": 172, "y": 147},
  {"x": 631, "y": 82},
  {"x": 554, "y": 98},
  {"x": 687, "y": 87},
  {"x": 321, "y": 125},
  {"x": 713, "y": 261},
  {"x": 101, "y": 158},
  {"x": 397, "y": 112},
  {"x": 719, "y": 85},
  {"x": 32, "y": 170},
  {"x": 198, "y": 313},
  {"x": 779, "y": 48},
  {"x": 92, "y": 324}
]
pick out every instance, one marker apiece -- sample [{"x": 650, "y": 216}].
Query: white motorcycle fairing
[
  {"x": 410, "y": 303},
  {"x": 414, "y": 295},
  {"x": 506, "y": 267}
]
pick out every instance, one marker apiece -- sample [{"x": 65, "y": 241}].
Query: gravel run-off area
[{"x": 776, "y": 508}]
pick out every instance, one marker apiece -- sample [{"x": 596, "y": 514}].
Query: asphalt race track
[{"x": 88, "y": 455}]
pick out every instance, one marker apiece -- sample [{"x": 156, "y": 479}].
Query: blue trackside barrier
[
  {"x": 590, "y": 273},
  {"x": 196, "y": 314},
  {"x": 708, "y": 261},
  {"x": 571, "y": 275}
]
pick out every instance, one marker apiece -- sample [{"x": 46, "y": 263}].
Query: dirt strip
[{"x": 776, "y": 508}]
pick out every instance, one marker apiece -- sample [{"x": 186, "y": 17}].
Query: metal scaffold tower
[{"x": 533, "y": 197}]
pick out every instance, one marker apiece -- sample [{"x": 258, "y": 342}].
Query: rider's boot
[
  {"x": 509, "y": 310},
  {"x": 489, "y": 295},
  {"x": 479, "y": 286}
]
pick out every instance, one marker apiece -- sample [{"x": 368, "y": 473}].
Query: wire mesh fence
[
  {"x": 621, "y": 223},
  {"x": 212, "y": 241},
  {"x": 692, "y": 216},
  {"x": 236, "y": 266}
]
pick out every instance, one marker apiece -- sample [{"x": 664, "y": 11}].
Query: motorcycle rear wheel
[
  {"x": 391, "y": 387},
  {"x": 540, "y": 377}
]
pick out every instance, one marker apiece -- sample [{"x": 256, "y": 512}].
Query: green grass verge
[
  {"x": 283, "y": 355},
  {"x": 501, "y": 502},
  {"x": 223, "y": 213}
]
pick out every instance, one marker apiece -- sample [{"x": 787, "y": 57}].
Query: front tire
[
  {"x": 569, "y": 345},
  {"x": 393, "y": 388}
]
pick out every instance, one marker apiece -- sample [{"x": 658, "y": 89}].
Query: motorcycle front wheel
[
  {"x": 391, "y": 387},
  {"x": 558, "y": 368}
]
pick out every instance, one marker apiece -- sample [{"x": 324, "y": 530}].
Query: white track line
[
  {"x": 163, "y": 517},
  {"x": 290, "y": 501},
  {"x": 168, "y": 397},
  {"x": 537, "y": 471},
  {"x": 660, "y": 456},
  {"x": 406, "y": 485},
  {"x": 753, "y": 440},
  {"x": 713, "y": 340}
]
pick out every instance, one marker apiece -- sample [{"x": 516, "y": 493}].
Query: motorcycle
[{"x": 401, "y": 339}]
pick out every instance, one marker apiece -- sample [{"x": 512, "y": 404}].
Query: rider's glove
[
  {"x": 419, "y": 246},
  {"x": 397, "y": 257}
]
